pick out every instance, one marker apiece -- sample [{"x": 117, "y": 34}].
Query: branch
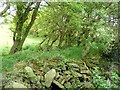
[
  {"x": 28, "y": 9},
  {"x": 108, "y": 5},
  {"x": 32, "y": 19},
  {"x": 5, "y": 10}
]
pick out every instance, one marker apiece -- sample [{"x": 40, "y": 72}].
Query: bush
[{"x": 100, "y": 81}]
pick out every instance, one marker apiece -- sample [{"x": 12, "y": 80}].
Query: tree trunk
[
  {"x": 14, "y": 47},
  {"x": 18, "y": 37},
  {"x": 54, "y": 41},
  {"x": 61, "y": 39},
  {"x": 17, "y": 46}
]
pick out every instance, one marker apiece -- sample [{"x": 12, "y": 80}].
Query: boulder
[{"x": 49, "y": 77}]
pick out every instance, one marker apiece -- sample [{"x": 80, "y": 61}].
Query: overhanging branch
[{"x": 5, "y": 10}]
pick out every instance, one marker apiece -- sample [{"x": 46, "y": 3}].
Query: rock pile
[{"x": 49, "y": 74}]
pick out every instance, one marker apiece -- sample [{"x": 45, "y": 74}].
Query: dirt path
[{"x": 5, "y": 36}]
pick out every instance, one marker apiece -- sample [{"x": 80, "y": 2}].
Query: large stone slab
[
  {"x": 49, "y": 77},
  {"x": 18, "y": 85}
]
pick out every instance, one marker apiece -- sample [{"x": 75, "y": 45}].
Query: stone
[
  {"x": 29, "y": 72},
  {"x": 74, "y": 84},
  {"x": 88, "y": 85},
  {"x": 74, "y": 65},
  {"x": 68, "y": 85},
  {"x": 77, "y": 81},
  {"x": 39, "y": 85},
  {"x": 31, "y": 75},
  {"x": 28, "y": 69},
  {"x": 58, "y": 84},
  {"x": 60, "y": 79},
  {"x": 20, "y": 65},
  {"x": 85, "y": 72},
  {"x": 57, "y": 75},
  {"x": 63, "y": 81},
  {"x": 67, "y": 72},
  {"x": 68, "y": 77},
  {"x": 86, "y": 77},
  {"x": 83, "y": 68},
  {"x": 18, "y": 85},
  {"x": 76, "y": 74},
  {"x": 42, "y": 78},
  {"x": 64, "y": 67},
  {"x": 46, "y": 69},
  {"x": 49, "y": 77},
  {"x": 76, "y": 69},
  {"x": 35, "y": 79},
  {"x": 9, "y": 85}
]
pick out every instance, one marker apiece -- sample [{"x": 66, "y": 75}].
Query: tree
[
  {"x": 85, "y": 24},
  {"x": 22, "y": 14},
  {"x": 59, "y": 21}
]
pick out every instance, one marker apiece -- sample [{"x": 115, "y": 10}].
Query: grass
[
  {"x": 33, "y": 53},
  {"x": 30, "y": 50},
  {"x": 6, "y": 43}
]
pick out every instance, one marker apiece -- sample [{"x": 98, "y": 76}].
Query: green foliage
[
  {"x": 73, "y": 52},
  {"x": 115, "y": 80},
  {"x": 84, "y": 22},
  {"x": 53, "y": 20},
  {"x": 99, "y": 80},
  {"x": 5, "y": 51}
]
